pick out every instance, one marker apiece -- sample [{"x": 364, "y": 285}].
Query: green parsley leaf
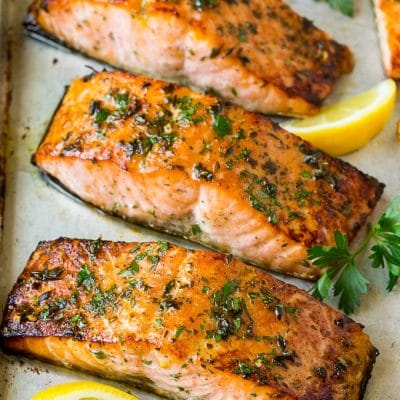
[
  {"x": 85, "y": 278},
  {"x": 196, "y": 230},
  {"x": 101, "y": 116},
  {"x": 344, "y": 6},
  {"x": 179, "y": 330},
  {"x": 222, "y": 126},
  {"x": 99, "y": 354},
  {"x": 386, "y": 251},
  {"x": 342, "y": 277},
  {"x": 131, "y": 270},
  {"x": 350, "y": 284}
]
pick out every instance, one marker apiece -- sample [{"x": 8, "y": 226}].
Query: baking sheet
[{"x": 34, "y": 211}]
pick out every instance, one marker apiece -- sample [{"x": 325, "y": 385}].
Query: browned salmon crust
[
  {"x": 187, "y": 324},
  {"x": 188, "y": 164},
  {"x": 259, "y": 54}
]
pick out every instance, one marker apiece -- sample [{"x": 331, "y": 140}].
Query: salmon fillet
[
  {"x": 259, "y": 54},
  {"x": 185, "y": 163},
  {"x": 388, "y": 21},
  {"x": 188, "y": 164},
  {"x": 186, "y": 324}
]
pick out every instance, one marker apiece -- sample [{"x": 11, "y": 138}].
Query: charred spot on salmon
[
  {"x": 339, "y": 368},
  {"x": 168, "y": 88},
  {"x": 321, "y": 372},
  {"x": 94, "y": 107},
  {"x": 274, "y": 304},
  {"x": 26, "y": 313},
  {"x": 269, "y": 189},
  {"x": 281, "y": 342},
  {"x": 245, "y": 155},
  {"x": 243, "y": 59},
  {"x": 168, "y": 287},
  {"x": 44, "y": 296},
  {"x": 202, "y": 173},
  {"x": 270, "y": 167},
  {"x": 46, "y": 274},
  {"x": 215, "y": 52},
  {"x": 201, "y": 5},
  {"x": 72, "y": 148}
]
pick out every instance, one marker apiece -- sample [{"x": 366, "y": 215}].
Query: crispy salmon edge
[
  {"x": 4, "y": 338},
  {"x": 51, "y": 180}
]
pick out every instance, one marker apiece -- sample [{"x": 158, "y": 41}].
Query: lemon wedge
[
  {"x": 348, "y": 125},
  {"x": 82, "y": 391}
]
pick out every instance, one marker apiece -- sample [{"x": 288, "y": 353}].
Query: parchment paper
[{"x": 34, "y": 211}]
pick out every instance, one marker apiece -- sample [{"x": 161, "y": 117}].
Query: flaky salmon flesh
[
  {"x": 259, "y": 54},
  {"x": 188, "y": 324},
  {"x": 188, "y": 164},
  {"x": 388, "y": 22}
]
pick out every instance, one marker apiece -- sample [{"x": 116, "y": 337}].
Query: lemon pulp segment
[
  {"x": 84, "y": 390},
  {"x": 350, "y": 124}
]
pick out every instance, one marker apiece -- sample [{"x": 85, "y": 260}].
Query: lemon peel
[{"x": 349, "y": 124}]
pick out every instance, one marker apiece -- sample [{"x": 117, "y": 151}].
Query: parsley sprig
[
  {"x": 342, "y": 276},
  {"x": 345, "y": 6}
]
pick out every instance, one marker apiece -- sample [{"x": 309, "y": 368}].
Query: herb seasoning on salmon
[
  {"x": 188, "y": 164},
  {"x": 186, "y": 324},
  {"x": 259, "y": 54}
]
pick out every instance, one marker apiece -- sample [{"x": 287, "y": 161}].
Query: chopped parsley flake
[
  {"x": 85, "y": 278},
  {"x": 222, "y": 126},
  {"x": 196, "y": 229}
]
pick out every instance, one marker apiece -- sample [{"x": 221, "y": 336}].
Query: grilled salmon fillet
[
  {"x": 259, "y": 54},
  {"x": 188, "y": 164},
  {"x": 388, "y": 21},
  {"x": 188, "y": 324}
]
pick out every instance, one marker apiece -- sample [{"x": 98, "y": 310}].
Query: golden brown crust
[
  {"x": 297, "y": 190},
  {"x": 120, "y": 299},
  {"x": 271, "y": 43}
]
